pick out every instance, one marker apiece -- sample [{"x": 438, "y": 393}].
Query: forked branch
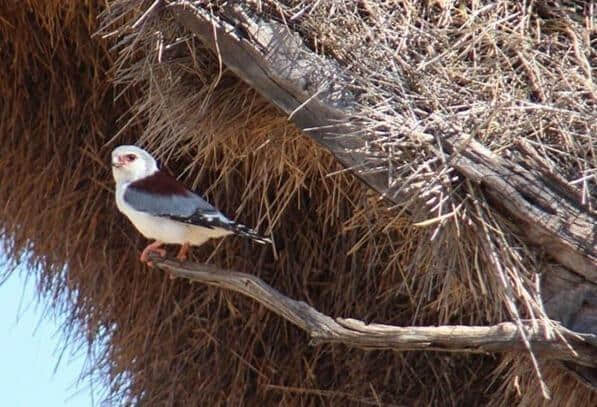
[{"x": 566, "y": 345}]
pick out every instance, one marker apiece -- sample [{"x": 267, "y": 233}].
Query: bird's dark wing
[{"x": 160, "y": 194}]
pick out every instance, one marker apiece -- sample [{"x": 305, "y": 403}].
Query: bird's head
[{"x": 131, "y": 163}]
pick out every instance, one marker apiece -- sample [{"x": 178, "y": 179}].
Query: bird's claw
[
  {"x": 145, "y": 256},
  {"x": 183, "y": 253},
  {"x": 152, "y": 248}
]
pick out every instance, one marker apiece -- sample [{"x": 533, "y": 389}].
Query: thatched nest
[{"x": 79, "y": 78}]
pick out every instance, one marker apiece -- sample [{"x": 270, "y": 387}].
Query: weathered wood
[
  {"x": 321, "y": 328},
  {"x": 548, "y": 211},
  {"x": 571, "y": 300},
  {"x": 277, "y": 64}
]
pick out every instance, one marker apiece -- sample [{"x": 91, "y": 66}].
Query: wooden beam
[{"x": 276, "y": 62}]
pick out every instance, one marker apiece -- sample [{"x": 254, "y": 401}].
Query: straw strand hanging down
[{"x": 503, "y": 337}]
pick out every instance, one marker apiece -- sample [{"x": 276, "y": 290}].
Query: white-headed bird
[{"x": 161, "y": 208}]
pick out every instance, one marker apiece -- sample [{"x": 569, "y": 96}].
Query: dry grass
[{"x": 497, "y": 71}]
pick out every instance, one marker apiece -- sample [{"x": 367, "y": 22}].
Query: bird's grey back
[{"x": 160, "y": 194}]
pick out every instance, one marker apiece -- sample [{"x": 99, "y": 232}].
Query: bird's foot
[
  {"x": 155, "y": 247},
  {"x": 183, "y": 253}
]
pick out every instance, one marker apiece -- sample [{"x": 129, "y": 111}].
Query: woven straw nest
[{"x": 70, "y": 95}]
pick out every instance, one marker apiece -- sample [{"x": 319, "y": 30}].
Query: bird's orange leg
[
  {"x": 183, "y": 253},
  {"x": 155, "y": 247}
]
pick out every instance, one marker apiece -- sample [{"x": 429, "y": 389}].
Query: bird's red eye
[{"x": 131, "y": 157}]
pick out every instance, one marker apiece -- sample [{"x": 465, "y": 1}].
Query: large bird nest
[{"x": 70, "y": 94}]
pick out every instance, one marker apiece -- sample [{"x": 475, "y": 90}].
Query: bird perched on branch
[{"x": 161, "y": 208}]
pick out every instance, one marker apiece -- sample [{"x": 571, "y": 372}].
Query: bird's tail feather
[{"x": 245, "y": 231}]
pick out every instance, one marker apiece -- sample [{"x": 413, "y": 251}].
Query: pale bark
[{"x": 504, "y": 337}]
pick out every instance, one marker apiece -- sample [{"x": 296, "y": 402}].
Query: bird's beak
[{"x": 117, "y": 162}]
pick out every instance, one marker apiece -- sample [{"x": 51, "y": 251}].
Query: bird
[{"x": 163, "y": 209}]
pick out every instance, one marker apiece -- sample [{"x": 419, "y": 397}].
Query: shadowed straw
[{"x": 498, "y": 71}]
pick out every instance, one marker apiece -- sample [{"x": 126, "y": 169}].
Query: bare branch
[{"x": 503, "y": 337}]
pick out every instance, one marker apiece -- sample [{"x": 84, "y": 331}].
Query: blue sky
[{"x": 31, "y": 344}]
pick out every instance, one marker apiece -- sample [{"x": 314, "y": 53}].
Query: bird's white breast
[{"x": 164, "y": 229}]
